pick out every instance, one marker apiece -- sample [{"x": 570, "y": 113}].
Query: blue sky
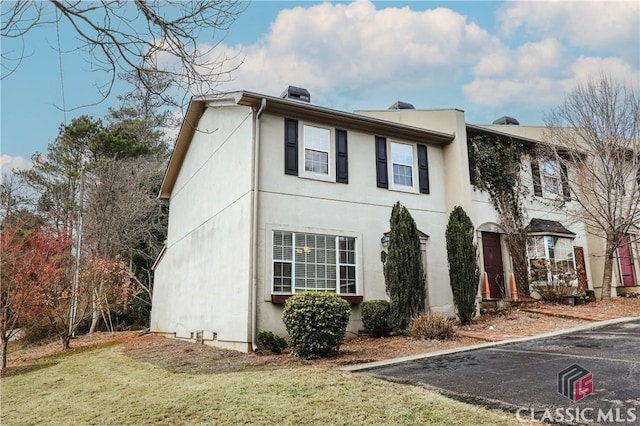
[{"x": 487, "y": 58}]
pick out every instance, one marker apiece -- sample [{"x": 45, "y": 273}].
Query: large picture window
[
  {"x": 551, "y": 259},
  {"x": 313, "y": 262}
]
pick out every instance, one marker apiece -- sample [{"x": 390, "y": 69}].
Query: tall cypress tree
[
  {"x": 464, "y": 274},
  {"x": 403, "y": 270}
]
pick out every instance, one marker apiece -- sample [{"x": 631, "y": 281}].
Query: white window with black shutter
[
  {"x": 550, "y": 179},
  {"x": 402, "y": 166},
  {"x": 315, "y": 152}
]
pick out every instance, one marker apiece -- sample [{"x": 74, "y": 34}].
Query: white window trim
[
  {"x": 270, "y": 228},
  {"x": 546, "y": 253},
  {"x": 415, "y": 189},
  {"x": 331, "y": 160},
  {"x": 545, "y": 192}
]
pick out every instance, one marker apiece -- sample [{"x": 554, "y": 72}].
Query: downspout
[{"x": 254, "y": 228}]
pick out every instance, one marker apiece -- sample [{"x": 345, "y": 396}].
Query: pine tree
[
  {"x": 403, "y": 270},
  {"x": 464, "y": 275}
]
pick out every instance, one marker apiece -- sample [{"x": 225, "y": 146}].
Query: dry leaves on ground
[{"x": 184, "y": 357}]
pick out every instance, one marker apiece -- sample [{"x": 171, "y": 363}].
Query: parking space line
[{"x": 564, "y": 355}]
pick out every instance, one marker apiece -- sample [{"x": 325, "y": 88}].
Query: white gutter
[{"x": 254, "y": 227}]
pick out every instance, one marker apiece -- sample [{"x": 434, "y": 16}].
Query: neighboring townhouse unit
[{"x": 272, "y": 196}]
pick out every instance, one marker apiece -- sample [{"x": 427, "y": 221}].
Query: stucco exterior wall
[
  {"x": 202, "y": 282},
  {"x": 358, "y": 208},
  {"x": 454, "y": 159}
]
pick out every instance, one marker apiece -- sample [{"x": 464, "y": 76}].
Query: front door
[
  {"x": 492, "y": 254},
  {"x": 625, "y": 255}
]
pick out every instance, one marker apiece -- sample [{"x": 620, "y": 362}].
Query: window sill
[{"x": 279, "y": 299}]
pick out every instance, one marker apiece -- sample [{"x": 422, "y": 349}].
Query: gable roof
[
  {"x": 547, "y": 227},
  {"x": 287, "y": 107}
]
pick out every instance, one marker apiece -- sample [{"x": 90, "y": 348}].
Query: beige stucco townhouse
[{"x": 271, "y": 196}]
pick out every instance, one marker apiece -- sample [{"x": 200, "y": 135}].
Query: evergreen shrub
[
  {"x": 316, "y": 323},
  {"x": 375, "y": 317},
  {"x": 464, "y": 274},
  {"x": 271, "y": 342},
  {"x": 403, "y": 271}
]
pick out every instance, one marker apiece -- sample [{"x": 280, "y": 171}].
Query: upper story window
[
  {"x": 316, "y": 149},
  {"x": 322, "y": 153},
  {"x": 550, "y": 177},
  {"x": 402, "y": 164},
  {"x": 408, "y": 168},
  {"x": 313, "y": 262}
]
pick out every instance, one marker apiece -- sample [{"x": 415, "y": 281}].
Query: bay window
[{"x": 551, "y": 259}]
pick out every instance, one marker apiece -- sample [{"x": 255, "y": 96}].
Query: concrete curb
[
  {"x": 562, "y": 315},
  {"x": 376, "y": 364}
]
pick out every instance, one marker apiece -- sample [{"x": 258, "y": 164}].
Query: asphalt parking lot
[{"x": 523, "y": 378}]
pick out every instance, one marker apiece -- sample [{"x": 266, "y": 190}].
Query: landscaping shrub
[
  {"x": 316, "y": 323},
  {"x": 375, "y": 317},
  {"x": 464, "y": 274},
  {"x": 267, "y": 341},
  {"x": 430, "y": 326},
  {"x": 404, "y": 276}
]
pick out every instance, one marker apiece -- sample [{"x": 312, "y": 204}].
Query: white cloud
[
  {"x": 538, "y": 90},
  {"x": 8, "y": 163},
  {"x": 528, "y": 60},
  {"x": 356, "y": 46},
  {"x": 585, "y": 68},
  {"x": 599, "y": 24},
  {"x": 349, "y": 53},
  {"x": 494, "y": 92}
]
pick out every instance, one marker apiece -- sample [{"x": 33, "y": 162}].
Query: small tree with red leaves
[{"x": 31, "y": 261}]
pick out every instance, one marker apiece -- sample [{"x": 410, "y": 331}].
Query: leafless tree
[
  {"x": 123, "y": 215},
  {"x": 152, "y": 40},
  {"x": 595, "y": 134}
]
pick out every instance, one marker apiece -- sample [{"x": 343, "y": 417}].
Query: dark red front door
[
  {"x": 626, "y": 262},
  {"x": 492, "y": 254}
]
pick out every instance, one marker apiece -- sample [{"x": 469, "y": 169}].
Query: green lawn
[{"x": 105, "y": 387}]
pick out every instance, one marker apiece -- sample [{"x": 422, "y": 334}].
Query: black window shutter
[
  {"x": 535, "y": 173},
  {"x": 564, "y": 178},
  {"x": 381, "y": 162},
  {"x": 423, "y": 169},
  {"x": 290, "y": 146},
  {"x": 342, "y": 163}
]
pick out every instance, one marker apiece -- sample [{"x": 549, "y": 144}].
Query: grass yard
[{"x": 105, "y": 387}]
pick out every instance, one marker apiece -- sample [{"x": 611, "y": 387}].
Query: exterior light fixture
[{"x": 384, "y": 241}]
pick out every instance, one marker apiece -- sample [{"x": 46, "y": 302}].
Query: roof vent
[
  {"x": 402, "y": 105},
  {"x": 507, "y": 120},
  {"x": 296, "y": 93}
]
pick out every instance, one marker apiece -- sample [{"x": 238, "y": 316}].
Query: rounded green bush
[
  {"x": 271, "y": 342},
  {"x": 316, "y": 323},
  {"x": 375, "y": 317}
]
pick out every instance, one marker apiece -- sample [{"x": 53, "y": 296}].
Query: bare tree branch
[
  {"x": 595, "y": 134},
  {"x": 149, "y": 39}
]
